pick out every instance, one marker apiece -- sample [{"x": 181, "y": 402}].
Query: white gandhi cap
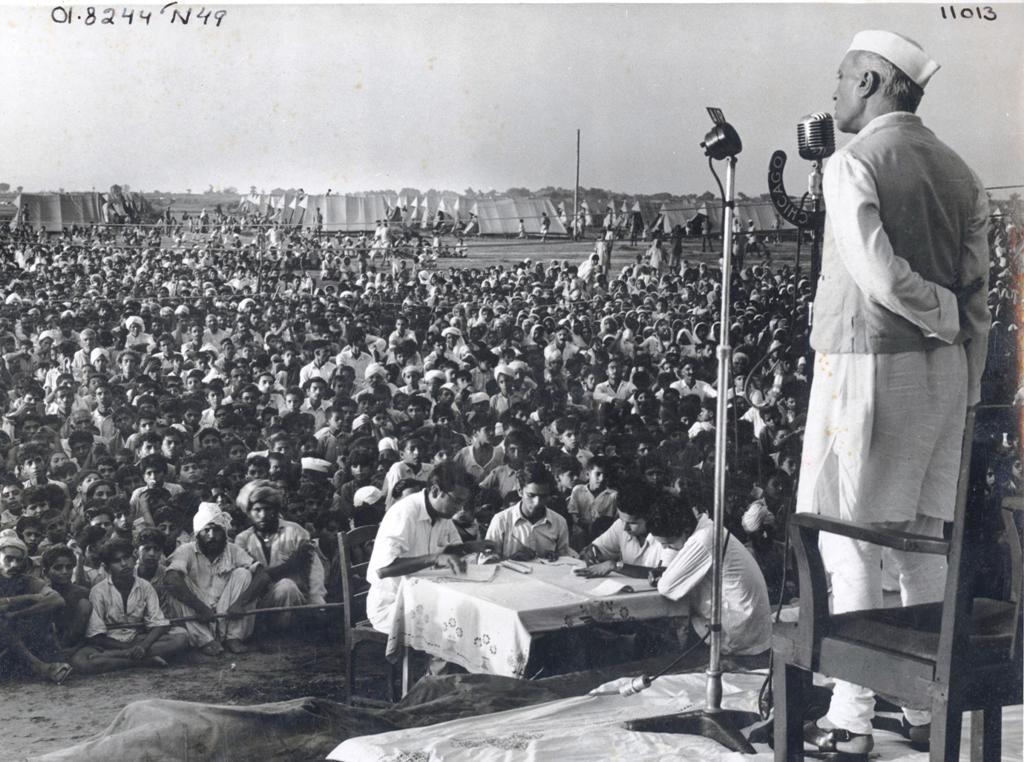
[{"x": 903, "y": 53}]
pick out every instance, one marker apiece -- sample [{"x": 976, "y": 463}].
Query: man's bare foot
[
  {"x": 156, "y": 662},
  {"x": 236, "y": 646},
  {"x": 213, "y": 648},
  {"x": 56, "y": 672}
]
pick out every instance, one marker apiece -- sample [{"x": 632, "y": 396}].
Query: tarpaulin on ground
[
  {"x": 160, "y": 729},
  {"x": 310, "y": 728},
  {"x": 501, "y": 216},
  {"x": 306, "y": 728}
]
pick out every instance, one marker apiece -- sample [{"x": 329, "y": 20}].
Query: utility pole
[{"x": 576, "y": 191}]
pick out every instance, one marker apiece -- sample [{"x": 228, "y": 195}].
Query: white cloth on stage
[{"x": 587, "y": 728}]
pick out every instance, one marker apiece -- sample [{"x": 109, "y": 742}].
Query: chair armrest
[{"x": 889, "y": 538}]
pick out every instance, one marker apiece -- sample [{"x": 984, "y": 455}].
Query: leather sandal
[{"x": 837, "y": 744}]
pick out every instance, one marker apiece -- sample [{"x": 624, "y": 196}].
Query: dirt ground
[
  {"x": 39, "y": 717},
  {"x": 491, "y": 251}
]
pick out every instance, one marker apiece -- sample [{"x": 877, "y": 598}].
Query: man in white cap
[
  {"x": 211, "y": 575},
  {"x": 900, "y": 334}
]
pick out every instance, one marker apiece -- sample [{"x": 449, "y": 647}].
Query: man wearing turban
[{"x": 213, "y": 576}]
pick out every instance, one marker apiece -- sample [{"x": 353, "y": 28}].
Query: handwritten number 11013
[
  {"x": 91, "y": 16},
  {"x": 983, "y": 12}
]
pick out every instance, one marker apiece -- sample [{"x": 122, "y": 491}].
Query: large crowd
[{"x": 192, "y": 413}]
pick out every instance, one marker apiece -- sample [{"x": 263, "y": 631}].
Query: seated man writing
[
  {"x": 119, "y": 603},
  {"x": 211, "y": 575},
  {"x": 628, "y": 546},
  {"x": 746, "y": 612},
  {"x": 27, "y": 604},
  {"x": 283, "y": 548},
  {"x": 527, "y": 529},
  {"x": 417, "y": 533}
]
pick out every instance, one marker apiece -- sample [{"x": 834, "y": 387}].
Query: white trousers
[{"x": 855, "y": 572}]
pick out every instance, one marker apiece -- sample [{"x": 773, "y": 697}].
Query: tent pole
[{"x": 576, "y": 191}]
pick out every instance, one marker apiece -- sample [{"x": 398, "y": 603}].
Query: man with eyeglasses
[{"x": 417, "y": 533}]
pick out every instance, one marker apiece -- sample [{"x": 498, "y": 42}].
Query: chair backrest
[
  {"x": 354, "y": 556},
  {"x": 1011, "y": 530},
  {"x": 958, "y": 599},
  {"x": 972, "y": 539}
]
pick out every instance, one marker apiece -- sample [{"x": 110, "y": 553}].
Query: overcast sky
[{"x": 483, "y": 96}]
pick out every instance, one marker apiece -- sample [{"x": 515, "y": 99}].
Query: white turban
[
  {"x": 210, "y": 513},
  {"x": 366, "y": 496}
]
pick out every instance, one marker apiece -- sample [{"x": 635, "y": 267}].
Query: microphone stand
[
  {"x": 817, "y": 227},
  {"x": 712, "y": 721}
]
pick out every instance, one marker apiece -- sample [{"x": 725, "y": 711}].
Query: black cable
[
  {"x": 721, "y": 190},
  {"x": 765, "y": 693},
  {"x": 681, "y": 656},
  {"x": 750, "y": 375}
]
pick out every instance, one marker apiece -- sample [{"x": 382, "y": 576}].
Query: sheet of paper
[
  {"x": 575, "y": 563},
  {"x": 473, "y": 573},
  {"x": 612, "y": 587}
]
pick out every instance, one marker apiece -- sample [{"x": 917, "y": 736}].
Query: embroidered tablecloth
[{"x": 487, "y": 627}]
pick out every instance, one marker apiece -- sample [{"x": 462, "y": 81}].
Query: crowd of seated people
[{"x": 188, "y": 422}]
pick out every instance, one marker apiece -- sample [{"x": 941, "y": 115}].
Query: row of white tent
[
  {"x": 356, "y": 212},
  {"x": 54, "y": 212}
]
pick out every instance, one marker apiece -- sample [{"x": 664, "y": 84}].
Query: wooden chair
[
  {"x": 958, "y": 655},
  {"x": 354, "y": 555}
]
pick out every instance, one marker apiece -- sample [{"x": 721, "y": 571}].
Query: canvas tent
[
  {"x": 762, "y": 213},
  {"x": 348, "y": 213},
  {"x": 684, "y": 216},
  {"x": 55, "y": 211},
  {"x": 594, "y": 210},
  {"x": 649, "y": 212},
  {"x": 501, "y": 216}
]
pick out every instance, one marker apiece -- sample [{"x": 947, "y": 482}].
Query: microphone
[
  {"x": 633, "y": 687},
  {"x": 816, "y": 137}
]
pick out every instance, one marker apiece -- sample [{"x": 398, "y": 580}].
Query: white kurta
[
  {"x": 883, "y": 437},
  {"x": 883, "y": 434}
]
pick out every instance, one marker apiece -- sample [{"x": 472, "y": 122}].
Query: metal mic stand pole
[
  {"x": 817, "y": 229},
  {"x": 712, "y": 721}
]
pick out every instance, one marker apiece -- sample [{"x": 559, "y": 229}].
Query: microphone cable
[
  {"x": 643, "y": 682},
  {"x": 721, "y": 190}
]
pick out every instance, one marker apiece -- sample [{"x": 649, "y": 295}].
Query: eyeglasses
[{"x": 456, "y": 500}]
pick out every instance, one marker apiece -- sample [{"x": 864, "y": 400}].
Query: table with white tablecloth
[{"x": 488, "y": 626}]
